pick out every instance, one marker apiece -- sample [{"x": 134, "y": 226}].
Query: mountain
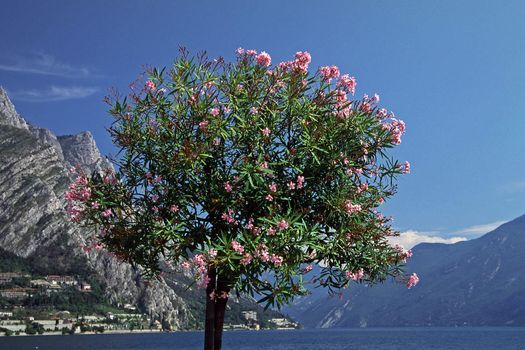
[
  {"x": 34, "y": 227},
  {"x": 480, "y": 282}
]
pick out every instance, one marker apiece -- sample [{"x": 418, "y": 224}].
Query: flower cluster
[
  {"x": 412, "y": 280},
  {"x": 329, "y": 73}
]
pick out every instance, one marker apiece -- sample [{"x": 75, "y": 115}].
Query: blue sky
[{"x": 453, "y": 70}]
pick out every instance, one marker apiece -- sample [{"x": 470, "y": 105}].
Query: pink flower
[
  {"x": 334, "y": 72},
  {"x": 264, "y": 165},
  {"x": 375, "y": 98},
  {"x": 277, "y": 260},
  {"x": 237, "y": 247},
  {"x": 254, "y": 110},
  {"x": 348, "y": 83},
  {"x": 249, "y": 225},
  {"x": 365, "y": 107},
  {"x": 362, "y": 187},
  {"x": 291, "y": 185},
  {"x": 185, "y": 265},
  {"x": 340, "y": 96},
  {"x": 228, "y": 217},
  {"x": 246, "y": 259},
  {"x": 359, "y": 274},
  {"x": 325, "y": 73},
  {"x": 204, "y": 282},
  {"x": 214, "y": 111},
  {"x": 397, "y": 129},
  {"x": 382, "y": 113},
  {"x": 203, "y": 125},
  {"x": 269, "y": 198},
  {"x": 412, "y": 280},
  {"x": 406, "y": 255},
  {"x": 308, "y": 268},
  {"x": 239, "y": 51},
  {"x": 150, "y": 86},
  {"x": 351, "y": 208},
  {"x": 283, "y": 225},
  {"x": 212, "y": 253},
  {"x": 251, "y": 52},
  {"x": 300, "y": 181},
  {"x": 302, "y": 60},
  {"x": 403, "y": 254},
  {"x": 198, "y": 259},
  {"x": 262, "y": 252},
  {"x": 228, "y": 186},
  {"x": 266, "y": 132},
  {"x": 273, "y": 187},
  {"x": 174, "y": 208},
  {"x": 263, "y": 59},
  {"x": 406, "y": 168},
  {"x": 271, "y": 231},
  {"x": 85, "y": 194},
  {"x": 328, "y": 73},
  {"x": 107, "y": 213},
  {"x": 95, "y": 205}
]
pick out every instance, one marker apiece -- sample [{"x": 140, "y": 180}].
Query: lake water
[{"x": 358, "y": 339}]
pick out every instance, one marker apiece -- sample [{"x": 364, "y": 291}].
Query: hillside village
[{"x": 28, "y": 306}]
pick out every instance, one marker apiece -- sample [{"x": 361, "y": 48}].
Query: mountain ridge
[{"x": 480, "y": 282}]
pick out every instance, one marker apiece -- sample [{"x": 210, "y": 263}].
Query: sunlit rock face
[
  {"x": 480, "y": 282},
  {"x": 34, "y": 173}
]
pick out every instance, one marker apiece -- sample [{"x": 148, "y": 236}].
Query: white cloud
[
  {"x": 410, "y": 238},
  {"x": 477, "y": 230},
  {"x": 43, "y": 64},
  {"x": 54, "y": 93}
]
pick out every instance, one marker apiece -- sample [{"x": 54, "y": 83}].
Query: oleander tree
[{"x": 248, "y": 175}]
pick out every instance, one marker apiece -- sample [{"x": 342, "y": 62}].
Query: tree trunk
[
  {"x": 220, "y": 309},
  {"x": 216, "y": 299},
  {"x": 209, "y": 323}
]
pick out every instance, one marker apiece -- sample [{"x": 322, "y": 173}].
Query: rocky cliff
[{"x": 34, "y": 173}]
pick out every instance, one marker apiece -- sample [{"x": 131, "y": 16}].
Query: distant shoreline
[{"x": 138, "y": 331}]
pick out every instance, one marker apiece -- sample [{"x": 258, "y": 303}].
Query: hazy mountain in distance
[{"x": 480, "y": 282}]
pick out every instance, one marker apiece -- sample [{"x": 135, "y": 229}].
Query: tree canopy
[{"x": 252, "y": 171}]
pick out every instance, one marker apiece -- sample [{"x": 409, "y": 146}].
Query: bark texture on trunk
[
  {"x": 209, "y": 323},
  {"x": 216, "y": 299},
  {"x": 220, "y": 309}
]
